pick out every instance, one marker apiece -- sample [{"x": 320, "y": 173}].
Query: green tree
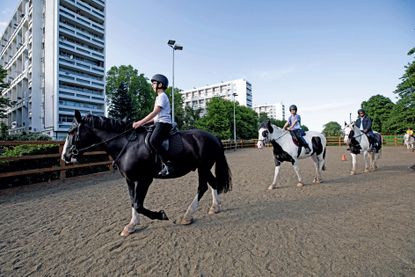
[
  {"x": 4, "y": 102},
  {"x": 332, "y": 128},
  {"x": 179, "y": 113},
  {"x": 219, "y": 120},
  {"x": 378, "y": 108},
  {"x": 403, "y": 115},
  {"x": 218, "y": 117},
  {"x": 138, "y": 87},
  {"x": 191, "y": 116},
  {"x": 121, "y": 106}
]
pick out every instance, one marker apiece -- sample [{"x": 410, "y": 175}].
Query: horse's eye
[{"x": 265, "y": 134}]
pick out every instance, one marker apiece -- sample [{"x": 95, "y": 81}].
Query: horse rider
[
  {"x": 294, "y": 126},
  {"x": 162, "y": 121},
  {"x": 364, "y": 123},
  {"x": 410, "y": 132}
]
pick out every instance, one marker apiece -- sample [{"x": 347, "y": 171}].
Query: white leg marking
[
  {"x": 297, "y": 171},
  {"x": 274, "y": 181},
  {"x": 215, "y": 208}
]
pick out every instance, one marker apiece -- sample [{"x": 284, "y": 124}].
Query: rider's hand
[{"x": 137, "y": 124}]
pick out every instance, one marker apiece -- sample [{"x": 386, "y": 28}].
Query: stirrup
[{"x": 166, "y": 170}]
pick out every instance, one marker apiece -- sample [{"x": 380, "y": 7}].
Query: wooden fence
[{"x": 62, "y": 168}]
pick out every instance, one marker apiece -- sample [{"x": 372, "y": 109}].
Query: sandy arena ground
[{"x": 362, "y": 225}]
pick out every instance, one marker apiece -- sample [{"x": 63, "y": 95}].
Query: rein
[
  {"x": 275, "y": 139},
  {"x": 99, "y": 143}
]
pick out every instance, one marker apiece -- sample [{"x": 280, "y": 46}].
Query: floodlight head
[
  {"x": 171, "y": 42},
  {"x": 234, "y": 94},
  {"x": 178, "y": 47}
]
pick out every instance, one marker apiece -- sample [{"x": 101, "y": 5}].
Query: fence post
[
  {"x": 62, "y": 171},
  {"x": 395, "y": 139}
]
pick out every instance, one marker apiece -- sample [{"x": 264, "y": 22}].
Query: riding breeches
[
  {"x": 298, "y": 134},
  {"x": 160, "y": 133}
]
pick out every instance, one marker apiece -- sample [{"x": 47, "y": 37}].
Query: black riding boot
[{"x": 167, "y": 169}]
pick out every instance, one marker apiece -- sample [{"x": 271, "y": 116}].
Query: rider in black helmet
[
  {"x": 162, "y": 121},
  {"x": 294, "y": 126},
  {"x": 364, "y": 123}
]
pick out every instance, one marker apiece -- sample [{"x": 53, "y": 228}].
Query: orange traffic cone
[{"x": 344, "y": 157}]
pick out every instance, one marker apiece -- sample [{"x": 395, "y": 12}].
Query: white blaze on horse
[
  {"x": 358, "y": 143},
  {"x": 286, "y": 150},
  {"x": 409, "y": 142}
]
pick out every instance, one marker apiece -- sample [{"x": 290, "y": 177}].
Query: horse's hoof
[
  {"x": 128, "y": 230},
  {"x": 317, "y": 181},
  {"x": 352, "y": 173},
  {"x": 163, "y": 215},
  {"x": 186, "y": 221},
  {"x": 214, "y": 210},
  {"x": 366, "y": 171},
  {"x": 300, "y": 185},
  {"x": 271, "y": 187}
]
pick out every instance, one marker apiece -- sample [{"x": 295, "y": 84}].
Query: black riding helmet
[
  {"x": 161, "y": 79},
  {"x": 293, "y": 107},
  {"x": 361, "y": 111}
]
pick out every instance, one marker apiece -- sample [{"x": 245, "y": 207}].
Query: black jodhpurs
[{"x": 160, "y": 133}]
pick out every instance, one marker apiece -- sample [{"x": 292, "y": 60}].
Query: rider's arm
[{"x": 148, "y": 118}]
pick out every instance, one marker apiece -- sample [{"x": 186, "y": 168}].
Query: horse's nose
[{"x": 260, "y": 144}]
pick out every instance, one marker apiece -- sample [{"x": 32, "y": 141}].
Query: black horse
[{"x": 139, "y": 164}]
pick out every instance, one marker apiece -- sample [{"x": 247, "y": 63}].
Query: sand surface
[{"x": 362, "y": 225}]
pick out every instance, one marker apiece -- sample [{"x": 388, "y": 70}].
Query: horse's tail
[{"x": 223, "y": 172}]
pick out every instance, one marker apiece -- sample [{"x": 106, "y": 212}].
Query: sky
[{"x": 324, "y": 56}]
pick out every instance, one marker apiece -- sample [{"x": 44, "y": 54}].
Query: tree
[
  {"x": 138, "y": 87},
  {"x": 332, "y": 128},
  {"x": 191, "y": 116},
  {"x": 4, "y": 102},
  {"x": 121, "y": 106},
  {"x": 179, "y": 113},
  {"x": 378, "y": 108},
  {"x": 403, "y": 116},
  {"x": 219, "y": 120},
  {"x": 407, "y": 86}
]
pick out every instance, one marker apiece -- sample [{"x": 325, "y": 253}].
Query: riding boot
[
  {"x": 167, "y": 169},
  {"x": 307, "y": 150}
]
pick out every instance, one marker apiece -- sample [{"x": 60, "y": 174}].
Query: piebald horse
[
  {"x": 358, "y": 142},
  {"x": 409, "y": 142},
  {"x": 285, "y": 150},
  {"x": 138, "y": 163}
]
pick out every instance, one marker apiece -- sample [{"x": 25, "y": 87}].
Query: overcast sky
[{"x": 324, "y": 56}]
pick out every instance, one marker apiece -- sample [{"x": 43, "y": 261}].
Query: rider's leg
[
  {"x": 161, "y": 131},
  {"x": 302, "y": 141}
]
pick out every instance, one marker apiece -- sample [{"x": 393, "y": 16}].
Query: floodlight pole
[{"x": 174, "y": 46}]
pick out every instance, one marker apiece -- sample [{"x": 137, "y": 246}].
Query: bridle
[
  {"x": 74, "y": 151},
  {"x": 273, "y": 139}
]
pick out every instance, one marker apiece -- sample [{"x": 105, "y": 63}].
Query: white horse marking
[
  {"x": 409, "y": 141},
  {"x": 285, "y": 150}
]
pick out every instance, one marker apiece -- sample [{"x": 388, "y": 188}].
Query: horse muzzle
[{"x": 260, "y": 144}]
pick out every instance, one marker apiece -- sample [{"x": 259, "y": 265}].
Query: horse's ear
[
  {"x": 78, "y": 116},
  {"x": 345, "y": 124},
  {"x": 269, "y": 126}
]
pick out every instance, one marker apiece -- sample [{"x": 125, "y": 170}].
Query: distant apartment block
[
  {"x": 54, "y": 54},
  {"x": 275, "y": 111},
  {"x": 199, "y": 97}
]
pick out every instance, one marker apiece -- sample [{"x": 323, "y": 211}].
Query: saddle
[
  {"x": 173, "y": 144},
  {"x": 296, "y": 141}
]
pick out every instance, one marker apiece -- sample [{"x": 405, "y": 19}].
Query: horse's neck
[{"x": 112, "y": 146}]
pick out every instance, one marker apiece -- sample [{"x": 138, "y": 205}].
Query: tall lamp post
[
  {"x": 174, "y": 46},
  {"x": 234, "y": 118}
]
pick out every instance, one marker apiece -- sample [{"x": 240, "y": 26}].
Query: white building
[
  {"x": 54, "y": 54},
  {"x": 275, "y": 111},
  {"x": 199, "y": 97}
]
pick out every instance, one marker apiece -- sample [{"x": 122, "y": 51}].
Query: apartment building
[
  {"x": 275, "y": 111},
  {"x": 239, "y": 90},
  {"x": 54, "y": 54}
]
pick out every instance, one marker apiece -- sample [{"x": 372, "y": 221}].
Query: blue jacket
[{"x": 367, "y": 124}]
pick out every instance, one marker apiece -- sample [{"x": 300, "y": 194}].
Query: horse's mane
[{"x": 104, "y": 123}]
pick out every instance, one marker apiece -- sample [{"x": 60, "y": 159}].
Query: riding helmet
[
  {"x": 161, "y": 79},
  {"x": 293, "y": 107}
]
